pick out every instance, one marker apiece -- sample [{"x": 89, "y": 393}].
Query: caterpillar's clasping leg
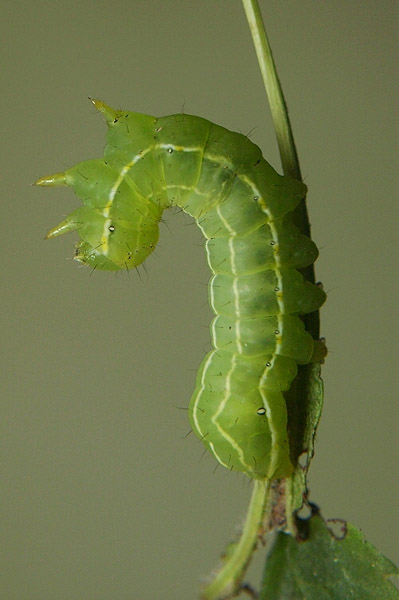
[{"x": 319, "y": 350}]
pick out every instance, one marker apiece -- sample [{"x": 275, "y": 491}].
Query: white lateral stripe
[
  {"x": 219, "y": 411},
  {"x": 225, "y": 222},
  {"x": 107, "y": 209},
  {"x": 238, "y": 336},
  {"x": 212, "y": 293},
  {"x": 232, "y": 256},
  {"x": 212, "y": 446},
  {"x": 198, "y": 396}
]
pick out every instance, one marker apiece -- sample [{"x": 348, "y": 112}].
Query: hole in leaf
[{"x": 337, "y": 527}]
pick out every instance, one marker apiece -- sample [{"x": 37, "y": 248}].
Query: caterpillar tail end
[
  {"x": 110, "y": 114},
  {"x": 58, "y": 179}
]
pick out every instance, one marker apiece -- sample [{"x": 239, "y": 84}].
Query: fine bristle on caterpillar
[{"x": 244, "y": 210}]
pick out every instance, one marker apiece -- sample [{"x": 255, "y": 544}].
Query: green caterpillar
[{"x": 244, "y": 209}]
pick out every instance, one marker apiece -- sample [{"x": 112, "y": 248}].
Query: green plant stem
[
  {"x": 303, "y": 399},
  {"x": 228, "y": 578},
  {"x": 226, "y": 581},
  {"x": 282, "y": 126}
]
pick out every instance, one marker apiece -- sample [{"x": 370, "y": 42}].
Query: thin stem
[
  {"x": 303, "y": 393},
  {"x": 282, "y": 126},
  {"x": 227, "y": 580}
]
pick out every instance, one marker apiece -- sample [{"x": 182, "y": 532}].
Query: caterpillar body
[{"x": 244, "y": 209}]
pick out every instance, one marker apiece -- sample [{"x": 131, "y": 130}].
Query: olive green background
[{"x": 102, "y": 495}]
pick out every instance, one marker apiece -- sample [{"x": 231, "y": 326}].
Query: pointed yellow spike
[
  {"x": 69, "y": 224},
  {"x": 110, "y": 114},
  {"x": 56, "y": 179}
]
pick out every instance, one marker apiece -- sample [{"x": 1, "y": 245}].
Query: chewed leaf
[{"x": 324, "y": 567}]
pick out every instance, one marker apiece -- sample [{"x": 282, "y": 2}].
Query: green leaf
[{"x": 324, "y": 567}]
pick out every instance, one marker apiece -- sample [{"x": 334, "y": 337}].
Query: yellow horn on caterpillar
[
  {"x": 69, "y": 224},
  {"x": 52, "y": 180},
  {"x": 110, "y": 114}
]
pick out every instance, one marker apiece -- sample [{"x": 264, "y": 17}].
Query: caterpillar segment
[{"x": 244, "y": 210}]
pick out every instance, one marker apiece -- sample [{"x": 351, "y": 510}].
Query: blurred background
[{"x": 103, "y": 495}]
